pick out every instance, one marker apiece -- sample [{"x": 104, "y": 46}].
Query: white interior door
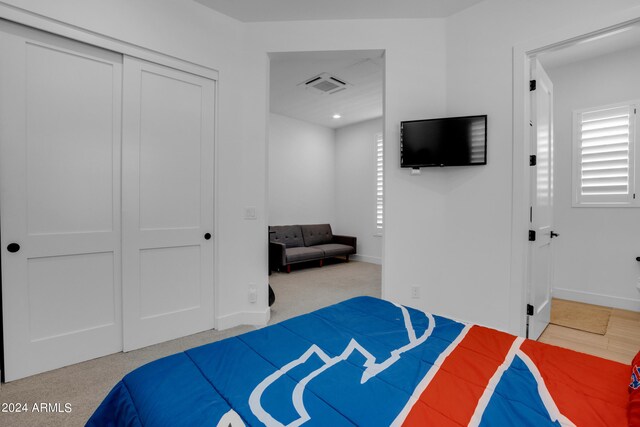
[
  {"x": 540, "y": 253},
  {"x": 60, "y": 126},
  {"x": 168, "y": 137}
]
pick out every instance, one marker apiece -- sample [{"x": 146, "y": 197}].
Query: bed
[{"x": 369, "y": 362}]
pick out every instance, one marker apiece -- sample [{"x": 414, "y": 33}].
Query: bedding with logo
[{"x": 369, "y": 362}]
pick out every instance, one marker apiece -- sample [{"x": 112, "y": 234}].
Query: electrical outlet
[
  {"x": 415, "y": 292},
  {"x": 253, "y": 295}
]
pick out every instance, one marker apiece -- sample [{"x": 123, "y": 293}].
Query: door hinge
[
  {"x": 532, "y": 85},
  {"x": 532, "y": 235},
  {"x": 529, "y": 310},
  {"x": 533, "y": 160}
]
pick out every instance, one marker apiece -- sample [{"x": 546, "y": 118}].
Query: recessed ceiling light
[{"x": 337, "y": 116}]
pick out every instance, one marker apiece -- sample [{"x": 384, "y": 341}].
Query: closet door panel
[
  {"x": 167, "y": 203},
  {"x": 88, "y": 277},
  {"x": 69, "y": 142},
  {"x": 170, "y": 150},
  {"x": 160, "y": 269},
  {"x": 60, "y": 134}
]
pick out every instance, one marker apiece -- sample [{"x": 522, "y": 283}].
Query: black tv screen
[{"x": 452, "y": 141}]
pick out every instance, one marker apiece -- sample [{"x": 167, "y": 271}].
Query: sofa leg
[
  {"x": 347, "y": 258},
  {"x": 321, "y": 262},
  {"x": 288, "y": 268}
]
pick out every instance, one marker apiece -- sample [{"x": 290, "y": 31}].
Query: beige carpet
[
  {"x": 307, "y": 289},
  {"x": 85, "y": 385},
  {"x": 577, "y": 315}
]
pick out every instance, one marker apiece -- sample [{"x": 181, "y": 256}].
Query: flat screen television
[{"x": 451, "y": 141}]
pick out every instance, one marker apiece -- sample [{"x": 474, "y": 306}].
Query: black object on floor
[{"x": 272, "y": 296}]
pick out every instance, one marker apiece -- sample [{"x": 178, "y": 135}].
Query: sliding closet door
[
  {"x": 167, "y": 199},
  {"x": 60, "y": 132}
]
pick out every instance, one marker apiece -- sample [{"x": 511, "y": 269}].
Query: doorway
[
  {"x": 326, "y": 163},
  {"x": 573, "y": 254}
]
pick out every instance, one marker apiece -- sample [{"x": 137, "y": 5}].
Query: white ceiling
[
  {"x": 362, "y": 100},
  {"x": 304, "y": 10},
  {"x": 363, "y": 70},
  {"x": 621, "y": 39}
]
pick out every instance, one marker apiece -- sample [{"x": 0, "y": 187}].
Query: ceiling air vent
[{"x": 325, "y": 83}]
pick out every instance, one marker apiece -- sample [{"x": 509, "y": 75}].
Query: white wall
[
  {"x": 480, "y": 42},
  {"x": 595, "y": 255},
  {"x": 355, "y": 187},
  {"x": 318, "y": 175},
  {"x": 301, "y": 172},
  {"x": 447, "y": 231},
  {"x": 415, "y": 87},
  {"x": 192, "y": 32}
]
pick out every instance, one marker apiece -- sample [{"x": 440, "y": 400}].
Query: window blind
[{"x": 605, "y": 151}]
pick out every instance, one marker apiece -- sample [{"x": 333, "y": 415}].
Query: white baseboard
[
  {"x": 632, "y": 304},
  {"x": 254, "y": 318},
  {"x": 366, "y": 258}
]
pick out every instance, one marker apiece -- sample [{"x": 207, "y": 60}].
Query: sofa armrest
[
  {"x": 277, "y": 255},
  {"x": 345, "y": 240}
]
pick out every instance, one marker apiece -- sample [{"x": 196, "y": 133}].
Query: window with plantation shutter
[
  {"x": 379, "y": 183},
  {"x": 604, "y": 156}
]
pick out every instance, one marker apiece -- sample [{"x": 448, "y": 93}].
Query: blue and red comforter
[{"x": 368, "y": 362}]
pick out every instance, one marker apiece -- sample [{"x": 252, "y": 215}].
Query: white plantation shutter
[
  {"x": 604, "y": 160},
  {"x": 379, "y": 183}
]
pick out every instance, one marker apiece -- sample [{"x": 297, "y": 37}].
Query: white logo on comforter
[{"x": 372, "y": 369}]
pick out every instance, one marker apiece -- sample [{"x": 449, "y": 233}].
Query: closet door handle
[
  {"x": 207, "y": 236},
  {"x": 13, "y": 247}
]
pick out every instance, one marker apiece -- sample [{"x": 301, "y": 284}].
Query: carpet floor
[
  {"x": 84, "y": 385},
  {"x": 307, "y": 289}
]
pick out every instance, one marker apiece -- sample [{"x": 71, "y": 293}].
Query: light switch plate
[{"x": 250, "y": 212}]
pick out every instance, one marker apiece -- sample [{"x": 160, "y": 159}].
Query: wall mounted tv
[{"x": 451, "y": 141}]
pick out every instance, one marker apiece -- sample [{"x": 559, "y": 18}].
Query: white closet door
[
  {"x": 60, "y": 133},
  {"x": 167, "y": 162}
]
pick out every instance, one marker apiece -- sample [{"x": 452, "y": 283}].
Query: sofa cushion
[
  {"x": 316, "y": 234},
  {"x": 290, "y": 235},
  {"x": 335, "y": 249},
  {"x": 300, "y": 254}
]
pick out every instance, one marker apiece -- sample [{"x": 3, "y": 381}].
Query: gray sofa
[{"x": 292, "y": 244}]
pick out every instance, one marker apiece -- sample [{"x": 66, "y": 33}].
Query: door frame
[
  {"x": 44, "y": 23},
  {"x": 520, "y": 200}
]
